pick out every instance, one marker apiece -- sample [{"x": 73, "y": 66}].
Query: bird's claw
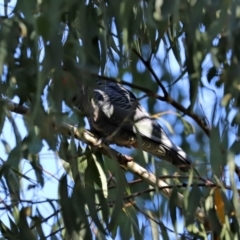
[
  {"x": 99, "y": 142},
  {"x": 124, "y": 159}
]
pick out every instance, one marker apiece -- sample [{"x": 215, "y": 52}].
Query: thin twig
[
  {"x": 148, "y": 66},
  {"x": 170, "y": 100},
  {"x": 160, "y": 223},
  {"x": 125, "y": 161}
]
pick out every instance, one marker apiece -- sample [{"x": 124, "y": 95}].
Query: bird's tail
[{"x": 168, "y": 151}]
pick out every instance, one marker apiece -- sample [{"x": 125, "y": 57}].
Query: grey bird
[{"x": 116, "y": 115}]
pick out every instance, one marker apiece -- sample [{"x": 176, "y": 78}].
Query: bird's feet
[
  {"x": 124, "y": 159},
  {"x": 99, "y": 142}
]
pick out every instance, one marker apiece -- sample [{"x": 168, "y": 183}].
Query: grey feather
[{"x": 115, "y": 113}]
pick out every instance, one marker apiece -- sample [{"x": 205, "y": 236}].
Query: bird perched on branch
[{"x": 116, "y": 115}]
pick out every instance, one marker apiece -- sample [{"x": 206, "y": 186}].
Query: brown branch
[
  {"x": 203, "y": 184},
  {"x": 89, "y": 136},
  {"x": 13, "y": 107},
  {"x": 125, "y": 161},
  {"x": 148, "y": 66},
  {"x": 163, "y": 186},
  {"x": 167, "y": 97},
  {"x": 191, "y": 114},
  {"x": 80, "y": 73}
]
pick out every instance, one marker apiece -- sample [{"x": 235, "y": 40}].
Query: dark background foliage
[{"x": 181, "y": 58}]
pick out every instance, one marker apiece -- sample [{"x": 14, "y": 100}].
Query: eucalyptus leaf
[{"x": 179, "y": 58}]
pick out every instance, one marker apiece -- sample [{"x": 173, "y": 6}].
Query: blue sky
[{"x": 53, "y": 165}]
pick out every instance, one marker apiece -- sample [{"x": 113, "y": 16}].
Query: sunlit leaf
[
  {"x": 219, "y": 205},
  {"x": 100, "y": 167}
]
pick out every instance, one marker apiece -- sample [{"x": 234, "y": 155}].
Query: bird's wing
[{"x": 120, "y": 106}]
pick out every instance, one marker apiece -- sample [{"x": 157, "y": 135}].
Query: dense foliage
[{"x": 181, "y": 58}]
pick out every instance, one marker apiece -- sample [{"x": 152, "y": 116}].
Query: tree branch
[
  {"x": 81, "y": 73},
  {"x": 87, "y": 137},
  {"x": 148, "y": 66},
  {"x": 167, "y": 97}
]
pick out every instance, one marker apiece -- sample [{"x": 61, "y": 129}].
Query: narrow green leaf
[
  {"x": 116, "y": 194},
  {"x": 79, "y": 205},
  {"x": 6, "y": 232},
  {"x": 193, "y": 202},
  {"x": 25, "y": 231},
  {"x": 13, "y": 227},
  {"x": 101, "y": 172},
  {"x": 37, "y": 221},
  {"x": 91, "y": 177},
  {"x": 6, "y": 146},
  {"x": 14, "y": 157},
  {"x": 188, "y": 127},
  {"x": 12, "y": 183},
  {"x": 66, "y": 207},
  {"x": 172, "y": 206},
  {"x": 37, "y": 167}
]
